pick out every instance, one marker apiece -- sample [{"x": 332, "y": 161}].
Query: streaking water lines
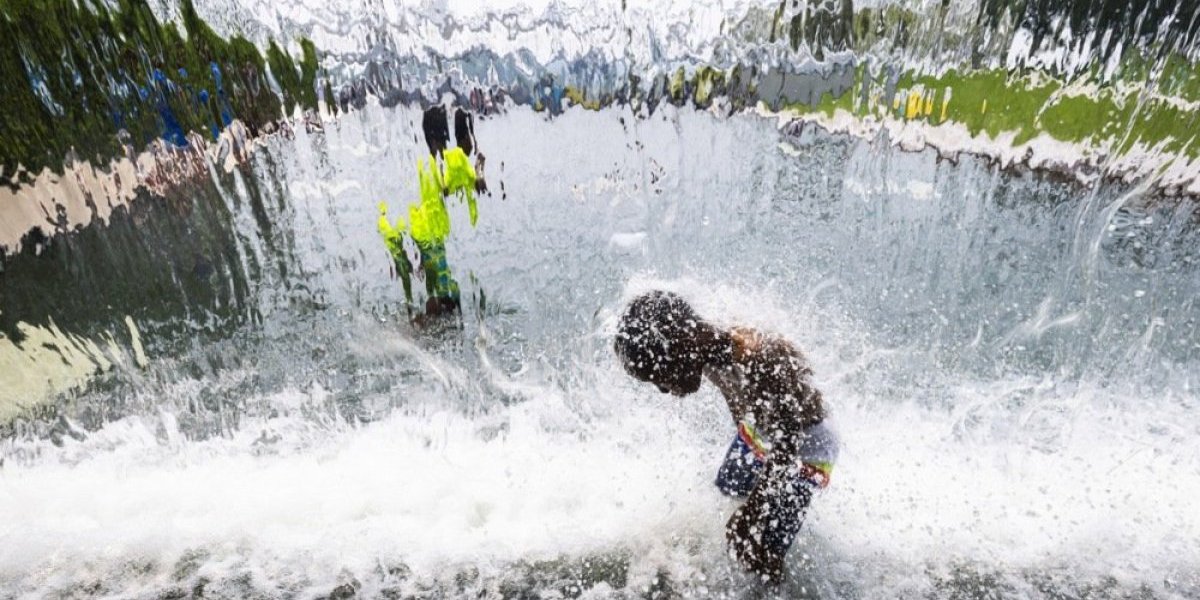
[{"x": 221, "y": 393}]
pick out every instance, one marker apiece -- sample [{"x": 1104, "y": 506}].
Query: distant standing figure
[{"x": 447, "y": 171}]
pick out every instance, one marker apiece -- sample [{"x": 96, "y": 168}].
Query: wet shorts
[
  {"x": 747, "y": 456},
  {"x": 745, "y": 461}
]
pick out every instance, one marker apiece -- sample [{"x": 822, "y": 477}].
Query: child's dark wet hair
[{"x": 656, "y": 338}]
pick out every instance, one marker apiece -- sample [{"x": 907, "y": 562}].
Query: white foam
[
  {"x": 1007, "y": 473},
  {"x": 429, "y": 489},
  {"x": 616, "y": 468}
]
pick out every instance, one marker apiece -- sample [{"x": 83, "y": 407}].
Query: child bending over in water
[{"x": 783, "y": 450}]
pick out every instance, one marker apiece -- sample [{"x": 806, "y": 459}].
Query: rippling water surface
[{"x": 1011, "y": 358}]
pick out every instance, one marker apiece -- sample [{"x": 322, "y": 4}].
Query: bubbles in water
[{"x": 1000, "y": 311}]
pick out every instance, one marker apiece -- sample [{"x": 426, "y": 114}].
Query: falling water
[{"x": 212, "y": 387}]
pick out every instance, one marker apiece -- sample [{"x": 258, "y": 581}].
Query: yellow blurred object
[
  {"x": 393, "y": 238},
  {"x": 429, "y": 221},
  {"x": 460, "y": 179},
  {"x": 913, "y": 106}
]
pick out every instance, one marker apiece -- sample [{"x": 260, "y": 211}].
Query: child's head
[{"x": 660, "y": 340}]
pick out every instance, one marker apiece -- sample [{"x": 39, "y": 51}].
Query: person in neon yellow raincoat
[{"x": 429, "y": 226}]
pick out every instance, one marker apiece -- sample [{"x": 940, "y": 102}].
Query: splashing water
[
  {"x": 1010, "y": 357},
  {"x": 1007, "y": 424}
]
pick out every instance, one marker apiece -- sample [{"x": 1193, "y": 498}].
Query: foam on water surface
[{"x": 991, "y": 444}]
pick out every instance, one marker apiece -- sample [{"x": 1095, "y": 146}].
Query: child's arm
[{"x": 761, "y": 530}]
